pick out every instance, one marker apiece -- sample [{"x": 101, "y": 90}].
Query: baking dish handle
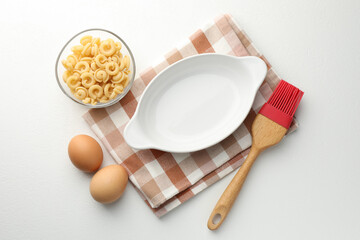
[{"x": 135, "y": 137}]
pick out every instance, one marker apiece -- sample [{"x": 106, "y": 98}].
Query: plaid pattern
[{"x": 165, "y": 180}]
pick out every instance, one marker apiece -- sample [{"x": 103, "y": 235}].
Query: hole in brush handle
[{"x": 216, "y": 219}]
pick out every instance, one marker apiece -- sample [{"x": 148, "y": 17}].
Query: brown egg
[
  {"x": 85, "y": 153},
  {"x": 108, "y": 184}
]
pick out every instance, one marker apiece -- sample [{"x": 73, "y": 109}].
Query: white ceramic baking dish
[{"x": 195, "y": 103}]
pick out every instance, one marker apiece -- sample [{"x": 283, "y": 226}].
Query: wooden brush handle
[{"x": 227, "y": 199}]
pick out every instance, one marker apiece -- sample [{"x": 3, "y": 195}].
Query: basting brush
[{"x": 269, "y": 127}]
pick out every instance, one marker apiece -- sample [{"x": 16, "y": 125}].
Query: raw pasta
[
  {"x": 96, "y": 71},
  {"x": 95, "y": 50},
  {"x": 73, "y": 82},
  {"x": 108, "y": 89},
  {"x": 86, "y": 50},
  {"x": 86, "y": 100},
  {"x": 107, "y": 47},
  {"x": 85, "y": 40},
  {"x": 100, "y": 60},
  {"x": 112, "y": 68},
  {"x": 104, "y": 99},
  {"x": 77, "y": 49},
  {"x": 65, "y": 75},
  {"x": 119, "y": 77},
  {"x": 87, "y": 79},
  {"x": 72, "y": 60},
  {"x": 82, "y": 66},
  {"x": 101, "y": 75},
  {"x": 80, "y": 93},
  {"x": 96, "y": 91}
]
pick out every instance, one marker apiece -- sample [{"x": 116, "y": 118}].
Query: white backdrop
[{"x": 308, "y": 187}]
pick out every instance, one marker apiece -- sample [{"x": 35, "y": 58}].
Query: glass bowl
[{"x": 75, "y": 40}]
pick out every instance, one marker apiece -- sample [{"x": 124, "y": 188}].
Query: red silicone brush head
[{"x": 282, "y": 104}]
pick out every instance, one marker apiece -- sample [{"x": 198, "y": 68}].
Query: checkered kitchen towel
[{"x": 165, "y": 180}]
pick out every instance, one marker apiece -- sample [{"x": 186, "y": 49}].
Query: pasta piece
[
  {"x": 96, "y": 41},
  {"x": 86, "y": 100},
  {"x": 126, "y": 61},
  {"x": 118, "y": 89},
  {"x": 86, "y": 59},
  {"x": 77, "y": 49},
  {"x": 118, "y": 78},
  {"x": 108, "y": 89},
  {"x": 112, "y": 96},
  {"x": 76, "y": 74},
  {"x": 118, "y": 46},
  {"x": 80, "y": 93},
  {"x": 94, "y": 50},
  {"x": 85, "y": 40},
  {"x": 95, "y": 91},
  {"x": 86, "y": 50},
  {"x": 120, "y": 55},
  {"x": 77, "y": 54},
  {"x": 117, "y": 85},
  {"x": 107, "y": 47},
  {"x": 100, "y": 60},
  {"x": 93, "y": 101},
  {"x": 101, "y": 75},
  {"x": 115, "y": 58},
  {"x": 65, "y": 75},
  {"x": 122, "y": 65},
  {"x": 67, "y": 65},
  {"x": 104, "y": 99},
  {"x": 82, "y": 66},
  {"x": 73, "y": 82},
  {"x": 126, "y": 81},
  {"x": 93, "y": 66},
  {"x": 72, "y": 59},
  {"x": 112, "y": 68},
  {"x": 110, "y": 40},
  {"x": 87, "y": 79},
  {"x": 103, "y": 85}
]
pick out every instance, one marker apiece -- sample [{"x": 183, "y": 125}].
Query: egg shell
[
  {"x": 85, "y": 153},
  {"x": 108, "y": 184}
]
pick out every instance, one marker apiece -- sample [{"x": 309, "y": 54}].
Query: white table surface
[{"x": 308, "y": 187}]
